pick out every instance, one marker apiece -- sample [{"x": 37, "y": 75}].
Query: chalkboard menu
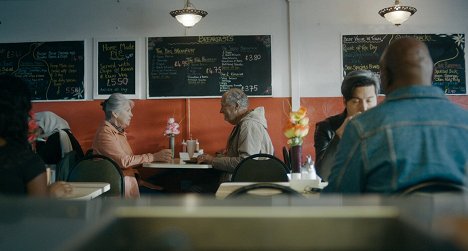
[
  {"x": 362, "y": 52},
  {"x": 116, "y": 67},
  {"x": 208, "y": 65},
  {"x": 54, "y": 70}
]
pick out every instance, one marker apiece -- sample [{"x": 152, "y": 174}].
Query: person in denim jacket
[{"x": 415, "y": 135}]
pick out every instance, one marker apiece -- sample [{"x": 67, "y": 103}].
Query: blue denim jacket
[{"x": 415, "y": 135}]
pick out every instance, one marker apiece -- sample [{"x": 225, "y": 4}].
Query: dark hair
[
  {"x": 358, "y": 79},
  {"x": 15, "y": 104}
]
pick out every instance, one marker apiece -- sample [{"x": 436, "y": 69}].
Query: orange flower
[
  {"x": 298, "y": 115},
  {"x": 301, "y": 130},
  {"x": 289, "y": 130},
  {"x": 297, "y": 126}
]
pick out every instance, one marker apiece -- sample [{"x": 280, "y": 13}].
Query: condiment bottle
[{"x": 184, "y": 146}]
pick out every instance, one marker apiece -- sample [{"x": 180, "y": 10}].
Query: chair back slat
[
  {"x": 260, "y": 168},
  {"x": 246, "y": 190},
  {"x": 434, "y": 186}
]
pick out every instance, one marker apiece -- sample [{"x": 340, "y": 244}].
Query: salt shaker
[{"x": 311, "y": 168}]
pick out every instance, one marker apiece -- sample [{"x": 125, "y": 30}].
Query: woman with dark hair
[{"x": 22, "y": 172}]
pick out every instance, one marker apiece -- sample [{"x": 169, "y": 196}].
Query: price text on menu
[
  {"x": 116, "y": 67},
  {"x": 209, "y": 65}
]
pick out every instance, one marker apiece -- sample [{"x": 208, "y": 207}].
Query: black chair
[
  {"x": 245, "y": 190},
  {"x": 287, "y": 158},
  {"x": 436, "y": 186},
  {"x": 260, "y": 168},
  {"x": 99, "y": 168},
  {"x": 66, "y": 164}
]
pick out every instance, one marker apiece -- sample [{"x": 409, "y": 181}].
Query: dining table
[
  {"x": 179, "y": 175},
  {"x": 86, "y": 190}
]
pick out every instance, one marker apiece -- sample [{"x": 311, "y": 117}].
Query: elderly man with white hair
[{"x": 249, "y": 135}]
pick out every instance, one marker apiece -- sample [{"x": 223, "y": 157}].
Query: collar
[
  {"x": 114, "y": 127},
  {"x": 416, "y": 91}
]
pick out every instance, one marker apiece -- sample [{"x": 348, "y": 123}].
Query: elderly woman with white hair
[{"x": 111, "y": 141}]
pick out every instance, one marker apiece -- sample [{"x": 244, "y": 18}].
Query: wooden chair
[
  {"x": 99, "y": 168},
  {"x": 261, "y": 168}
]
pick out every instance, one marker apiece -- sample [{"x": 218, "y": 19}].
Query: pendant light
[{"x": 188, "y": 16}]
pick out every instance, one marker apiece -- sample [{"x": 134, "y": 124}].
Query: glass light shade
[
  {"x": 188, "y": 16},
  {"x": 397, "y": 17},
  {"x": 397, "y": 14},
  {"x": 188, "y": 20}
]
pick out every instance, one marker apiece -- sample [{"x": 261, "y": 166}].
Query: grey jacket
[{"x": 248, "y": 137}]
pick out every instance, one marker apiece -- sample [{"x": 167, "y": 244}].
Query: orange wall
[{"x": 145, "y": 133}]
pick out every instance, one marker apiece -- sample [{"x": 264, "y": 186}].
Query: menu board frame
[
  {"x": 249, "y": 69},
  {"x": 76, "y": 91},
  {"x": 137, "y": 71},
  {"x": 447, "y": 48}
]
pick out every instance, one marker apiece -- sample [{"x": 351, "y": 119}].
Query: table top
[
  {"x": 73, "y": 222},
  {"x": 176, "y": 163},
  {"x": 86, "y": 190},
  {"x": 228, "y": 187}
]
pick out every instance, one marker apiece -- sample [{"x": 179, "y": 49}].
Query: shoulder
[
  {"x": 23, "y": 158},
  {"x": 106, "y": 128},
  {"x": 331, "y": 123},
  {"x": 255, "y": 117}
]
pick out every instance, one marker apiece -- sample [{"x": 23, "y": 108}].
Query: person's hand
[
  {"x": 220, "y": 153},
  {"x": 205, "y": 158},
  {"x": 340, "y": 130},
  {"x": 164, "y": 155},
  {"x": 60, "y": 189}
]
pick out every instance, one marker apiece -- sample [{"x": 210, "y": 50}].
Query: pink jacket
[{"x": 113, "y": 144}]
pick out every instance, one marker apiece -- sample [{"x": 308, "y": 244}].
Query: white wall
[
  {"x": 314, "y": 28},
  {"x": 320, "y": 24}
]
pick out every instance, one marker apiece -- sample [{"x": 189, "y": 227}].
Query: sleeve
[
  {"x": 249, "y": 143},
  {"x": 347, "y": 171},
  {"x": 322, "y": 139},
  {"x": 110, "y": 145},
  {"x": 325, "y": 164},
  {"x": 32, "y": 165}
]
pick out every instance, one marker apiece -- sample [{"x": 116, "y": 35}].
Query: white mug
[{"x": 191, "y": 146}]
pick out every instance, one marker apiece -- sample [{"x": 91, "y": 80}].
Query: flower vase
[
  {"x": 172, "y": 144},
  {"x": 296, "y": 157}
]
